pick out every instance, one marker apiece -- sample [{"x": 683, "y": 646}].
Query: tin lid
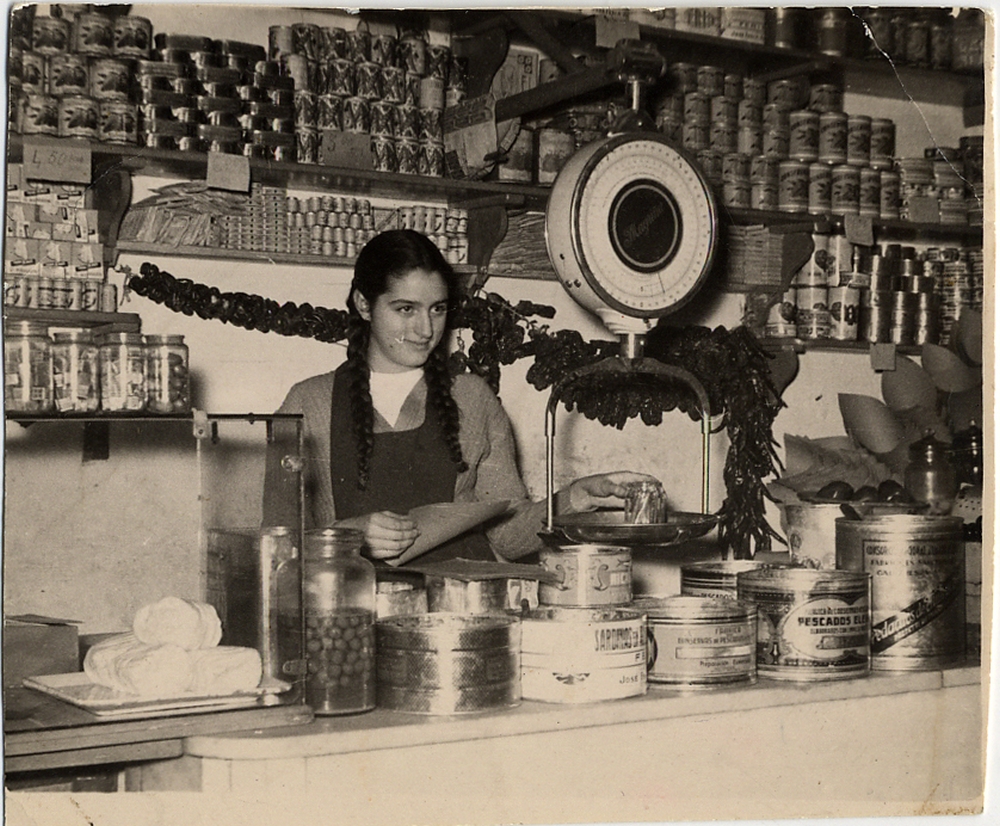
[
  {"x": 169, "y": 338},
  {"x": 25, "y": 328},
  {"x": 114, "y": 339},
  {"x": 802, "y": 580}
]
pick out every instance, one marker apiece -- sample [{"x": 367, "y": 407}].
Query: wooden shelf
[
  {"x": 831, "y": 223},
  {"x": 312, "y": 177},
  {"x": 800, "y": 345},
  {"x": 106, "y": 322}
]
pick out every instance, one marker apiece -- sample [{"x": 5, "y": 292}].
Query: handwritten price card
[{"x": 63, "y": 160}]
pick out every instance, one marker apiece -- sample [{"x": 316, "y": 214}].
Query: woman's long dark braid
[
  {"x": 362, "y": 410},
  {"x": 438, "y": 378}
]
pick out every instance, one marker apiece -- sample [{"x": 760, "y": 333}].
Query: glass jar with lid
[
  {"x": 75, "y": 383},
  {"x": 27, "y": 367},
  {"x": 339, "y": 612},
  {"x": 168, "y": 383},
  {"x": 122, "y": 358},
  {"x": 930, "y": 476}
]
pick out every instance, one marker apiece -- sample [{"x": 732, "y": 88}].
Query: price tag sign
[
  {"x": 612, "y": 25},
  {"x": 230, "y": 172},
  {"x": 63, "y": 160},
  {"x": 858, "y": 229},
  {"x": 349, "y": 149}
]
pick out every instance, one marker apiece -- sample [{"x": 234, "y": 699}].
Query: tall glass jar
[
  {"x": 122, "y": 359},
  {"x": 168, "y": 382},
  {"x": 27, "y": 367},
  {"x": 75, "y": 383},
  {"x": 930, "y": 477},
  {"x": 339, "y": 611}
]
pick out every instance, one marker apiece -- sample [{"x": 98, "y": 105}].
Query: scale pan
[{"x": 610, "y": 527}]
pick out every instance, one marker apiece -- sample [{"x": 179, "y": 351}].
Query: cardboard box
[
  {"x": 34, "y": 645},
  {"x": 745, "y": 25},
  {"x": 699, "y": 21}
]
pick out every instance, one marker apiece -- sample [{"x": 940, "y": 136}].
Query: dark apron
[{"x": 408, "y": 468}]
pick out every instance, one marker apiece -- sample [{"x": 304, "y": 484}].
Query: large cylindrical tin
[
  {"x": 716, "y": 579},
  {"x": 448, "y": 663},
  {"x": 461, "y": 596},
  {"x": 583, "y": 655},
  {"x": 590, "y": 576},
  {"x": 395, "y": 598},
  {"x": 696, "y": 642},
  {"x": 917, "y": 566},
  {"x": 811, "y": 625}
]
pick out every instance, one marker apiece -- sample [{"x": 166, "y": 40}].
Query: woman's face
[{"x": 407, "y": 321}]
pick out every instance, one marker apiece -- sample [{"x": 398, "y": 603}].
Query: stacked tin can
[
  {"x": 960, "y": 285},
  {"x": 391, "y": 88},
  {"x": 783, "y": 145},
  {"x": 329, "y": 225},
  {"x": 202, "y": 95},
  {"x": 73, "y": 79}
]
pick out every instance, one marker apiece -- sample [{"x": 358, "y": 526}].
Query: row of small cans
[
  {"x": 790, "y": 93},
  {"x": 112, "y": 121},
  {"x": 44, "y": 293},
  {"x": 410, "y": 52},
  {"x": 67, "y": 73},
  {"x": 369, "y": 81},
  {"x": 92, "y": 33},
  {"x": 381, "y": 118}
]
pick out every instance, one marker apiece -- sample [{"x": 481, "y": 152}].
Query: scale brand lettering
[{"x": 635, "y": 232}]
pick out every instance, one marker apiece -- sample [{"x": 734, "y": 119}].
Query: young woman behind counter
[{"x": 391, "y": 429}]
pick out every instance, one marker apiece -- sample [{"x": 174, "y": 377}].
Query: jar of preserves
[
  {"x": 168, "y": 381},
  {"x": 75, "y": 384},
  {"x": 122, "y": 359},
  {"x": 27, "y": 370},
  {"x": 339, "y": 611}
]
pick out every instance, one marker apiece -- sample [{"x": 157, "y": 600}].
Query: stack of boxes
[{"x": 53, "y": 256}]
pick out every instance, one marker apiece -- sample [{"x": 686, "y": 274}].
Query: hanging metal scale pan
[{"x": 631, "y": 226}]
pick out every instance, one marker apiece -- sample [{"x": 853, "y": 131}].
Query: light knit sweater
[{"x": 488, "y": 448}]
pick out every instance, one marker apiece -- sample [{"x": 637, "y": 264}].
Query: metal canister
[
  {"x": 710, "y": 80},
  {"x": 395, "y": 598},
  {"x": 917, "y": 566},
  {"x": 280, "y": 42},
  {"x": 775, "y": 116},
  {"x": 903, "y": 323},
  {"x": 811, "y": 625},
  {"x": 845, "y": 190},
  {"x": 883, "y": 143},
  {"x": 79, "y": 117},
  {"x": 686, "y": 76},
  {"x": 826, "y": 97},
  {"x": 833, "y": 137},
  {"x": 307, "y": 145},
  {"x": 430, "y": 159},
  {"x": 330, "y": 112},
  {"x": 820, "y": 183},
  {"x": 133, "y": 36},
  {"x": 859, "y": 139},
  {"x": 408, "y": 157},
  {"x": 587, "y": 575},
  {"x": 431, "y": 124},
  {"x": 39, "y": 115},
  {"x": 697, "y": 107},
  {"x": 870, "y": 192},
  {"x": 583, "y": 655},
  {"x": 780, "y": 323},
  {"x": 357, "y": 115},
  {"x": 812, "y": 313},
  {"x": 723, "y": 136},
  {"x": 34, "y": 73},
  {"x": 763, "y": 182},
  {"x": 93, "y": 34},
  {"x": 774, "y": 143},
  {"x": 368, "y": 80},
  {"x": 383, "y": 116},
  {"x": 119, "y": 123},
  {"x": 68, "y": 75},
  {"x": 843, "y": 302},
  {"x": 888, "y": 195},
  {"x": 50, "y": 35},
  {"x": 793, "y": 186},
  {"x": 448, "y": 663},
  {"x": 465, "y": 596},
  {"x": 110, "y": 79},
  {"x": 875, "y": 316},
  {"x": 412, "y": 51},
  {"x": 384, "y": 154},
  {"x": 696, "y": 642},
  {"x": 393, "y": 84},
  {"x": 803, "y": 140},
  {"x": 716, "y": 579}
]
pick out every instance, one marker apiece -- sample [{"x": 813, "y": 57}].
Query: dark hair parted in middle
[{"x": 394, "y": 254}]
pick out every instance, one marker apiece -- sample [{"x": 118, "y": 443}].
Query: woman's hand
[
  {"x": 387, "y": 534},
  {"x": 591, "y": 492}
]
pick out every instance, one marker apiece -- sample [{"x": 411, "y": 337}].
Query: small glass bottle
[
  {"x": 122, "y": 359},
  {"x": 75, "y": 384},
  {"x": 168, "y": 382},
  {"x": 339, "y": 609},
  {"x": 930, "y": 476},
  {"x": 27, "y": 367}
]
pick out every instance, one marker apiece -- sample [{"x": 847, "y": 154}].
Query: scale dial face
[{"x": 640, "y": 223}]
